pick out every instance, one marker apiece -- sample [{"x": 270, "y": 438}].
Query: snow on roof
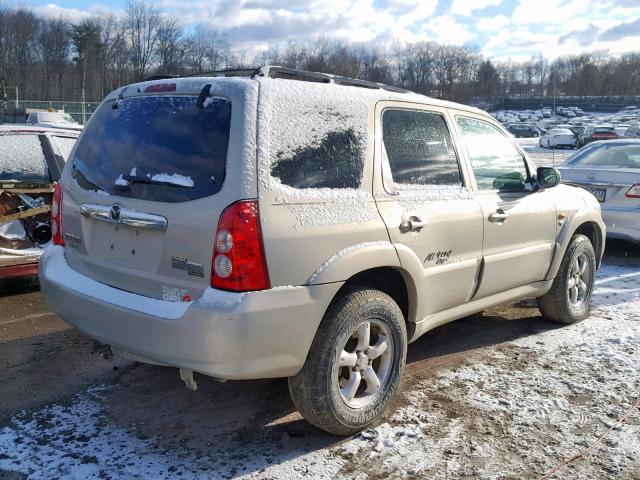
[{"x": 13, "y": 128}]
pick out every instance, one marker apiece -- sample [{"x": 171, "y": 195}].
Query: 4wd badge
[{"x": 181, "y": 263}]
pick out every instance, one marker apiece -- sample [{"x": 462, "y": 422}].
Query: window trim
[
  {"x": 501, "y": 130},
  {"x": 427, "y": 109}
]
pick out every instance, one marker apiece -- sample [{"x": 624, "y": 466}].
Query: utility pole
[{"x": 555, "y": 77}]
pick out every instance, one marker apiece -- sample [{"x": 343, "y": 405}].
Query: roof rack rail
[
  {"x": 272, "y": 71},
  {"x": 159, "y": 77},
  {"x": 229, "y": 72}
]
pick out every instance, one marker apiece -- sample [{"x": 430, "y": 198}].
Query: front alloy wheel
[
  {"x": 569, "y": 299},
  {"x": 577, "y": 288}
]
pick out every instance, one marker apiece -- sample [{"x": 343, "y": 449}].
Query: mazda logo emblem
[{"x": 114, "y": 212}]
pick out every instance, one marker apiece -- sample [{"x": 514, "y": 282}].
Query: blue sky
[{"x": 502, "y": 29}]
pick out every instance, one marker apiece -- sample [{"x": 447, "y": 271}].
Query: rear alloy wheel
[
  {"x": 569, "y": 299},
  {"x": 355, "y": 363}
]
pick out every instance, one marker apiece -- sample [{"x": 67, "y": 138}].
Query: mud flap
[{"x": 187, "y": 377}]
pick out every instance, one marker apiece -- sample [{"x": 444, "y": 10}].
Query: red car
[
  {"x": 595, "y": 133},
  {"x": 31, "y": 160}
]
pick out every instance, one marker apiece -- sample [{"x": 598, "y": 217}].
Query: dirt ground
[{"x": 501, "y": 395}]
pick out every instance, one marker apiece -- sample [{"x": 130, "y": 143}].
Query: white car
[
  {"x": 558, "y": 137},
  {"x": 53, "y": 120},
  {"x": 610, "y": 170}
]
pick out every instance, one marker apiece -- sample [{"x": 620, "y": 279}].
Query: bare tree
[{"x": 142, "y": 25}]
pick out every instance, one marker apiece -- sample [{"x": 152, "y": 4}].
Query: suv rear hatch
[{"x": 149, "y": 178}]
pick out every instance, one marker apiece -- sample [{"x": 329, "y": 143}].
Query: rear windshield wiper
[{"x": 133, "y": 179}]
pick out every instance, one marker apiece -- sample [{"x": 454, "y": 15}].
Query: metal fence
[{"x": 10, "y": 112}]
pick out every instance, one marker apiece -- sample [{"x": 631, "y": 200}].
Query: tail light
[
  {"x": 56, "y": 216},
  {"x": 634, "y": 191},
  {"x": 239, "y": 262}
]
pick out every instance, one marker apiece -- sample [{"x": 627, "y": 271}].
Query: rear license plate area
[{"x": 599, "y": 193}]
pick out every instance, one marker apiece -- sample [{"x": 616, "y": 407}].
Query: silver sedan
[{"x": 610, "y": 170}]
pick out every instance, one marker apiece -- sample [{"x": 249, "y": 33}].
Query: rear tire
[
  {"x": 569, "y": 299},
  {"x": 352, "y": 372}
]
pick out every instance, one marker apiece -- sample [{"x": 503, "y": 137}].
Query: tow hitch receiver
[{"x": 187, "y": 377}]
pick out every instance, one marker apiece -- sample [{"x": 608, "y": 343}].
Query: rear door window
[
  {"x": 160, "y": 148},
  {"x": 419, "y": 148},
  {"x": 22, "y": 160}
]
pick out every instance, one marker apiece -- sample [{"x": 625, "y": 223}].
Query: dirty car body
[{"x": 295, "y": 224}]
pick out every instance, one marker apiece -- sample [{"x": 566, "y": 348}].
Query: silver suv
[{"x": 281, "y": 223}]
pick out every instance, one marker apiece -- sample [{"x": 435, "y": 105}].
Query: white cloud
[
  {"x": 549, "y": 11},
  {"x": 467, "y": 7},
  {"x": 51, "y": 10},
  {"x": 492, "y": 24},
  {"x": 445, "y": 29}
]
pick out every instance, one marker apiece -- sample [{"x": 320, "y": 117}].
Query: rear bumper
[
  {"x": 226, "y": 335},
  {"x": 21, "y": 270},
  {"x": 623, "y": 223}
]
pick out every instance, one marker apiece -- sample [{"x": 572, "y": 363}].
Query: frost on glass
[
  {"x": 65, "y": 145},
  {"x": 496, "y": 163},
  {"x": 316, "y": 140},
  {"x": 419, "y": 148},
  {"x": 22, "y": 159},
  {"x": 334, "y": 162}
]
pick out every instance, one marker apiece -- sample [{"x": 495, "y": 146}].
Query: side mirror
[{"x": 547, "y": 177}]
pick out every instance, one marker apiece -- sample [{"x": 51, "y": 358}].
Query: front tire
[
  {"x": 569, "y": 299},
  {"x": 354, "y": 366}
]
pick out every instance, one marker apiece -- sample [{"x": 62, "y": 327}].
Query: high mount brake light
[
  {"x": 634, "y": 191},
  {"x": 160, "y": 87},
  {"x": 239, "y": 262},
  {"x": 56, "y": 216}
]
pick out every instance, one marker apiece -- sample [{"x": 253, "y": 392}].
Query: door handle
[
  {"x": 412, "y": 224},
  {"x": 499, "y": 216}
]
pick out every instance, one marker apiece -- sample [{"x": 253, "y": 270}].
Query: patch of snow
[
  {"x": 134, "y": 172},
  {"x": 21, "y": 155},
  {"x": 342, "y": 253},
  {"x": 120, "y": 181},
  {"x": 174, "y": 178},
  {"x": 212, "y": 297},
  {"x": 77, "y": 441},
  {"x": 13, "y": 230}
]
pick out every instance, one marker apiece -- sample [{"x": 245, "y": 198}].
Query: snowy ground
[
  {"x": 507, "y": 395},
  {"x": 544, "y": 157},
  {"x": 509, "y": 409}
]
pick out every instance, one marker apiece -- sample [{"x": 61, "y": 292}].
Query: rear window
[
  {"x": 22, "y": 160},
  {"x": 160, "y": 148},
  {"x": 620, "y": 156}
]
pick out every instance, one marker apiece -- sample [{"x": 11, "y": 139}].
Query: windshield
[
  {"x": 22, "y": 160},
  {"x": 620, "y": 156},
  {"x": 145, "y": 146},
  {"x": 56, "y": 117}
]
